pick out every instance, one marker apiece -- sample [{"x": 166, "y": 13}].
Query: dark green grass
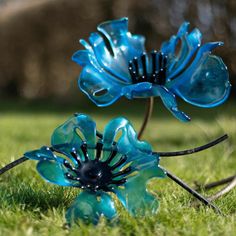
[{"x": 30, "y": 206}]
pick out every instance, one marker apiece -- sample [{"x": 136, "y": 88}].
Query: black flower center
[
  {"x": 149, "y": 68},
  {"x": 96, "y": 174}
]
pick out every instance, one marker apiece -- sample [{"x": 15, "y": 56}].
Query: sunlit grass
[{"x": 30, "y": 206}]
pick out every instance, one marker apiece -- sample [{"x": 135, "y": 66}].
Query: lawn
[{"x": 30, "y": 206}]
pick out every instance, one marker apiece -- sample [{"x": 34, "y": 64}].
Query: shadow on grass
[{"x": 18, "y": 194}]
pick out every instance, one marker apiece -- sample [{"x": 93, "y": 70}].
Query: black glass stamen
[
  {"x": 118, "y": 182},
  {"x": 85, "y": 152},
  {"x": 157, "y": 72},
  {"x": 120, "y": 162},
  {"x": 154, "y": 61},
  {"x": 97, "y": 174},
  {"x": 69, "y": 176},
  {"x": 125, "y": 171},
  {"x": 69, "y": 166},
  {"x": 76, "y": 157},
  {"x": 99, "y": 150},
  {"x": 143, "y": 59},
  {"x": 111, "y": 157},
  {"x": 135, "y": 61}
]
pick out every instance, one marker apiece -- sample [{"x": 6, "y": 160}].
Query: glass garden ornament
[
  {"x": 102, "y": 165},
  {"x": 99, "y": 167},
  {"x": 115, "y": 64}
]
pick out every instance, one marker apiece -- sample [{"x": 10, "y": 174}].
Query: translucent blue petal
[
  {"x": 169, "y": 46},
  {"x": 209, "y": 85},
  {"x": 86, "y": 58},
  {"x": 147, "y": 90},
  {"x": 169, "y": 101},
  {"x": 190, "y": 43},
  {"x": 90, "y": 206},
  {"x": 205, "y": 83},
  {"x": 127, "y": 143},
  {"x": 135, "y": 197},
  {"x": 123, "y": 47},
  {"x": 99, "y": 86},
  {"x": 41, "y": 154},
  {"x": 53, "y": 172},
  {"x": 142, "y": 89},
  {"x": 73, "y": 132}
]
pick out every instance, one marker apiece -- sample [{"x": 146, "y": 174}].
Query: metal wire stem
[{"x": 147, "y": 116}]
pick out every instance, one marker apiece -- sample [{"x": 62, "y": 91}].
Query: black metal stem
[
  {"x": 192, "y": 191},
  {"x": 216, "y": 183},
  {"x": 185, "y": 152},
  {"x": 13, "y": 164},
  {"x": 193, "y": 150},
  {"x": 223, "y": 191},
  {"x": 147, "y": 116}
]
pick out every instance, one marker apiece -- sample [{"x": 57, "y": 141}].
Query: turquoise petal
[
  {"x": 124, "y": 45},
  {"x": 134, "y": 195},
  {"x": 206, "y": 82},
  {"x": 43, "y": 153},
  {"x": 112, "y": 59},
  {"x": 169, "y": 47},
  {"x": 53, "y": 172},
  {"x": 102, "y": 88},
  {"x": 73, "y": 132},
  {"x": 189, "y": 45},
  {"x": 97, "y": 84},
  {"x": 90, "y": 206},
  {"x": 127, "y": 143},
  {"x": 168, "y": 99},
  {"x": 137, "y": 90}
]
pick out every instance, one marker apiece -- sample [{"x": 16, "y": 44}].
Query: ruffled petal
[
  {"x": 99, "y": 86},
  {"x": 112, "y": 51},
  {"x": 124, "y": 46},
  {"x": 90, "y": 206},
  {"x": 142, "y": 90},
  {"x": 168, "y": 98},
  {"x": 189, "y": 45},
  {"x": 206, "y": 82},
  {"x": 43, "y": 153},
  {"x": 70, "y": 135},
  {"x": 127, "y": 144},
  {"x": 134, "y": 195},
  {"x": 168, "y": 47},
  {"x": 50, "y": 166},
  {"x": 53, "y": 172}
]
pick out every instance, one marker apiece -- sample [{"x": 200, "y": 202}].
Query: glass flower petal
[
  {"x": 169, "y": 100},
  {"x": 43, "y": 153},
  {"x": 53, "y": 172},
  {"x": 206, "y": 82},
  {"x": 127, "y": 143},
  {"x": 90, "y": 206},
  {"x": 100, "y": 86},
  {"x": 70, "y": 135},
  {"x": 134, "y": 195}
]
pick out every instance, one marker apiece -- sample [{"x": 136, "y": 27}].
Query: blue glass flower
[
  {"x": 116, "y": 163},
  {"x": 116, "y": 64}
]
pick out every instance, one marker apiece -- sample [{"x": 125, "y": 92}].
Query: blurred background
[{"x": 38, "y": 38}]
